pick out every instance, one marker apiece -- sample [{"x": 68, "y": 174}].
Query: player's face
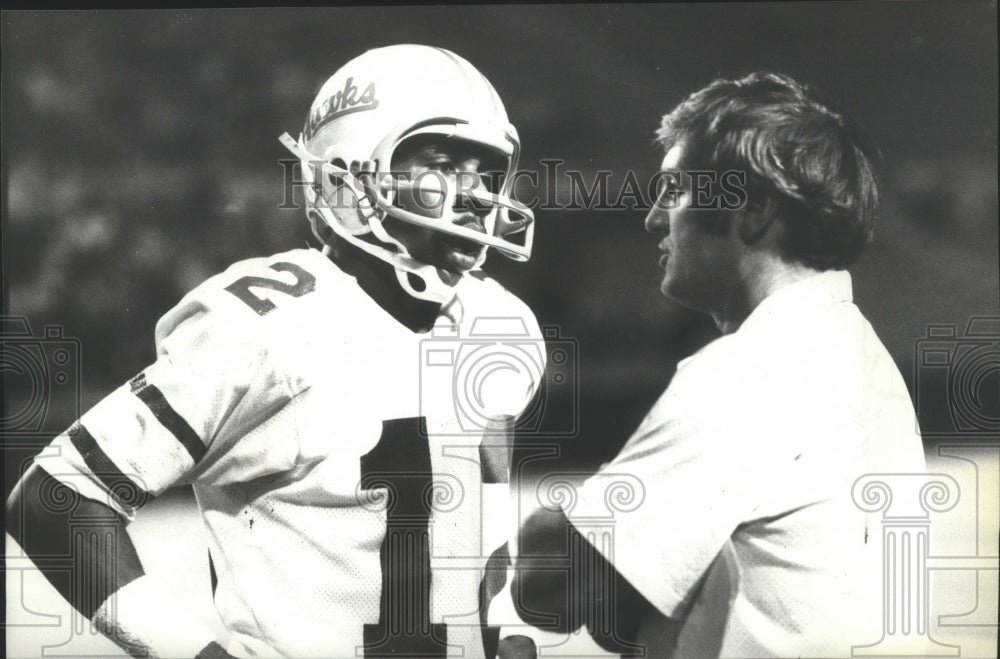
[
  {"x": 698, "y": 262},
  {"x": 458, "y": 164}
]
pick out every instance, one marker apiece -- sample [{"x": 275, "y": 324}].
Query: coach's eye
[
  {"x": 669, "y": 186},
  {"x": 670, "y": 191}
]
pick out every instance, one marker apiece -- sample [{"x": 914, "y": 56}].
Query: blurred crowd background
[{"x": 140, "y": 156}]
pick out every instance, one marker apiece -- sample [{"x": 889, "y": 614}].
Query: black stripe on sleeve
[
  {"x": 121, "y": 487},
  {"x": 168, "y": 417}
]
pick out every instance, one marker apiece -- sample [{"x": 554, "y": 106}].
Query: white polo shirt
[{"x": 757, "y": 441}]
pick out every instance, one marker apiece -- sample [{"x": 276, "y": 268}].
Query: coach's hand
[
  {"x": 517, "y": 647},
  {"x": 214, "y": 651}
]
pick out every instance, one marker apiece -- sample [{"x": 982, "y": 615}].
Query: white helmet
[{"x": 362, "y": 113}]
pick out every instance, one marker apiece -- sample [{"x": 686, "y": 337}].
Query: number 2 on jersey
[{"x": 304, "y": 283}]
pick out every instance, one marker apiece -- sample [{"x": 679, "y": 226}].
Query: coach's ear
[{"x": 757, "y": 217}]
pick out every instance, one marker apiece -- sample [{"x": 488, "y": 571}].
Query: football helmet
[{"x": 358, "y": 119}]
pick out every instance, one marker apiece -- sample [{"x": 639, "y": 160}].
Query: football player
[{"x": 317, "y": 401}]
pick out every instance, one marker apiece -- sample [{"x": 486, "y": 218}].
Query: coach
[{"x": 746, "y": 462}]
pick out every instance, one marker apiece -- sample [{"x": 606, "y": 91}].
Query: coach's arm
[
  {"x": 563, "y": 583},
  {"x": 58, "y": 529}
]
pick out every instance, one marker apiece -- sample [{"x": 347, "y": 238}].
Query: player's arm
[
  {"x": 212, "y": 381},
  {"x": 105, "y": 580},
  {"x": 70, "y": 510},
  {"x": 45, "y": 517},
  {"x": 563, "y": 583}
]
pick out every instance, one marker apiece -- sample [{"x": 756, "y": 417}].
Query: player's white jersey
[{"x": 334, "y": 453}]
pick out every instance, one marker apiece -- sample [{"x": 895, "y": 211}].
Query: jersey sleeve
[
  {"x": 537, "y": 381},
  {"x": 213, "y": 380},
  {"x": 517, "y": 374},
  {"x": 514, "y": 365}
]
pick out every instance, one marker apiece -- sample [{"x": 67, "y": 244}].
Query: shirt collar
[{"x": 830, "y": 287}]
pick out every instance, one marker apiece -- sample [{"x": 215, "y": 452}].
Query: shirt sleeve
[
  {"x": 212, "y": 381},
  {"x": 661, "y": 511}
]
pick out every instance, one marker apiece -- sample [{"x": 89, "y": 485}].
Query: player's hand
[
  {"x": 517, "y": 647},
  {"x": 214, "y": 651}
]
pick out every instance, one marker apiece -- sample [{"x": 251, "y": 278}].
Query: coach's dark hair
[{"x": 814, "y": 161}]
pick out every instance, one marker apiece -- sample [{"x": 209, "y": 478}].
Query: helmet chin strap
[
  {"x": 435, "y": 289},
  {"x": 451, "y": 306}
]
